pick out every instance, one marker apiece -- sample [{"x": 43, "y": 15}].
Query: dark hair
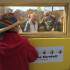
[{"x": 10, "y": 31}]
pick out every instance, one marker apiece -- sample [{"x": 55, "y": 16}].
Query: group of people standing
[{"x": 48, "y": 23}]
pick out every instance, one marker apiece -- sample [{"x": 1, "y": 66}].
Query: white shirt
[
  {"x": 33, "y": 28},
  {"x": 20, "y": 29}
]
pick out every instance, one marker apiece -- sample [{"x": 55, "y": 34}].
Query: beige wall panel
[{"x": 34, "y": 1}]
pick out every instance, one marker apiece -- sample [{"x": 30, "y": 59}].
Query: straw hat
[{"x": 8, "y": 21}]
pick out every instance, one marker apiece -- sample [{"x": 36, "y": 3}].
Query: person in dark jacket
[
  {"x": 59, "y": 25},
  {"x": 15, "y": 51},
  {"x": 47, "y": 23}
]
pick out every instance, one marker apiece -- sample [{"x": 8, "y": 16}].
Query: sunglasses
[{"x": 47, "y": 15}]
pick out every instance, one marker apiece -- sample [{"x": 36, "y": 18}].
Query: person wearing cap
[
  {"x": 48, "y": 21},
  {"x": 15, "y": 51},
  {"x": 32, "y": 25}
]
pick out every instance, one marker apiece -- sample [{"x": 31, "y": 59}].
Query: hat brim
[{"x": 11, "y": 26}]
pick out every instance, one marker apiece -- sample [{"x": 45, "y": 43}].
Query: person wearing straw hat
[{"x": 15, "y": 51}]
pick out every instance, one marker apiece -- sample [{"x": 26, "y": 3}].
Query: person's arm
[
  {"x": 32, "y": 54},
  {"x": 42, "y": 21}
]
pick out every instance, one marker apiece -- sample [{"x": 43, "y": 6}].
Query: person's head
[
  {"x": 8, "y": 21},
  {"x": 33, "y": 17},
  {"x": 18, "y": 14},
  {"x": 46, "y": 13}
]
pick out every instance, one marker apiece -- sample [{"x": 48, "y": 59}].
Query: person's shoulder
[
  {"x": 53, "y": 16},
  {"x": 28, "y": 22},
  {"x": 24, "y": 38},
  {"x": 19, "y": 36}
]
